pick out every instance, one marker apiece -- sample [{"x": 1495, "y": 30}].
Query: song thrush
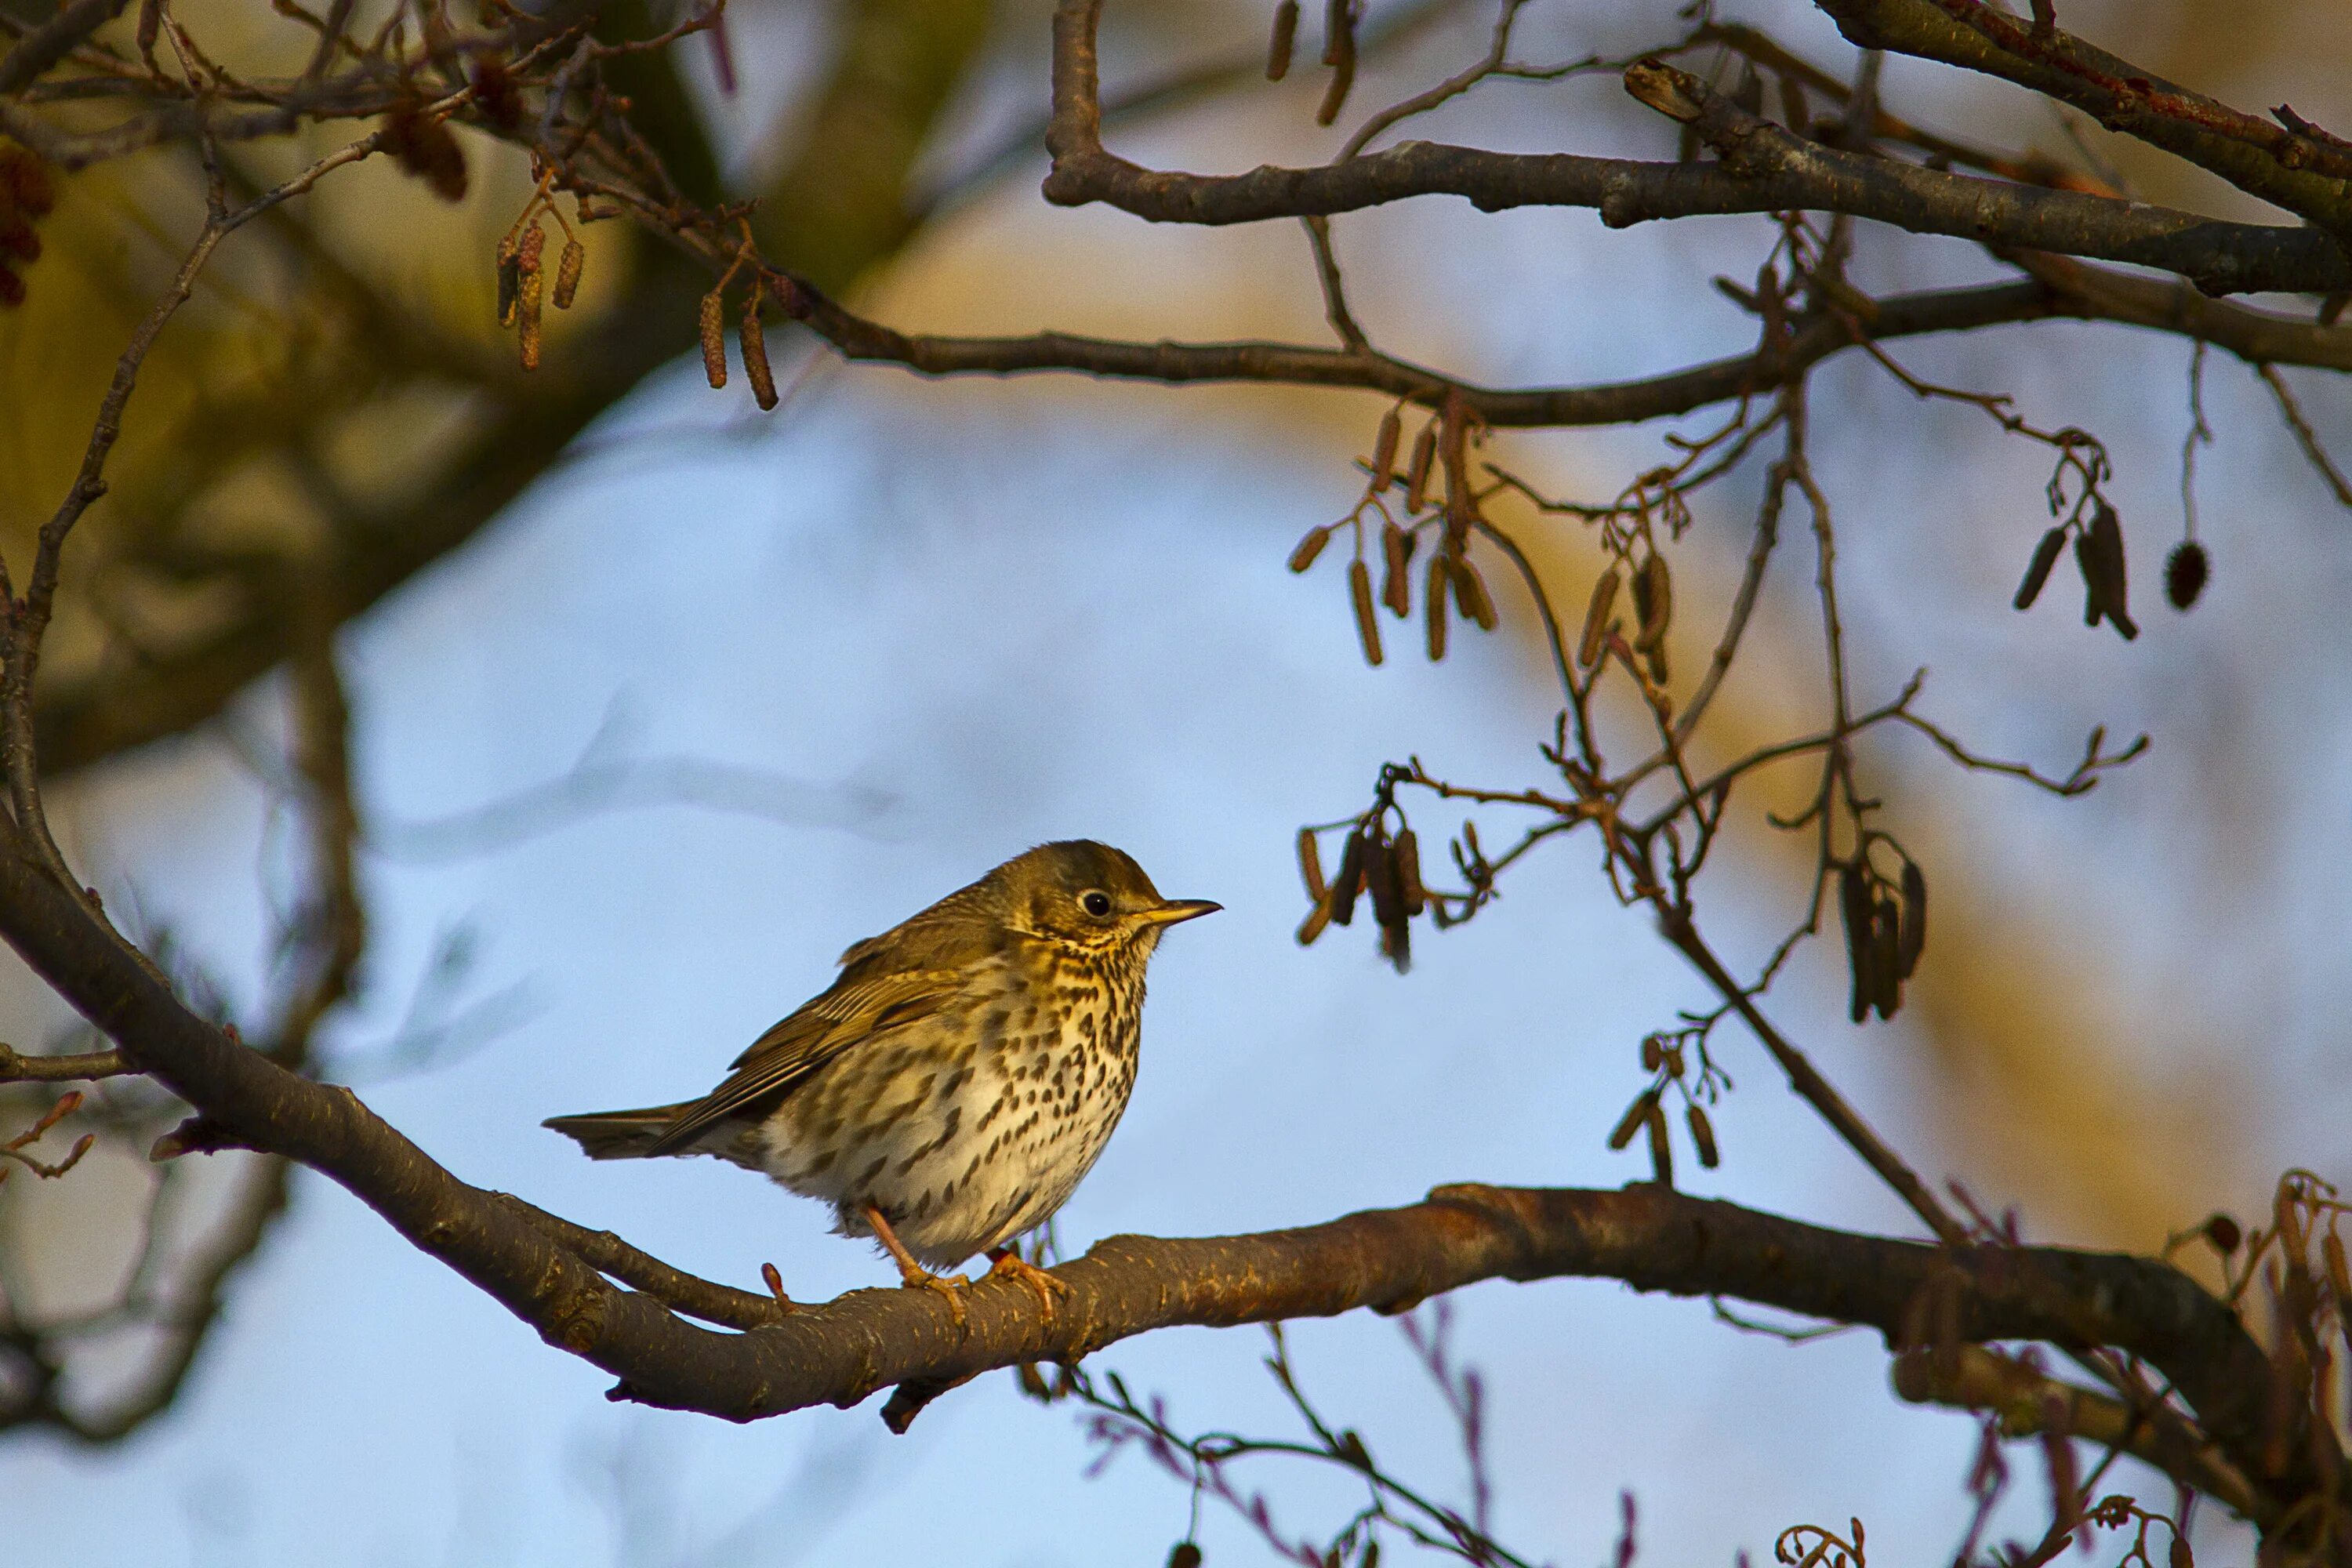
[{"x": 949, "y": 1090}]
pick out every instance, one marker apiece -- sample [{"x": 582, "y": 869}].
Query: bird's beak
[{"x": 1176, "y": 910}]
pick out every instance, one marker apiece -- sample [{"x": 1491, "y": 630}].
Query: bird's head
[{"x": 1088, "y": 896}]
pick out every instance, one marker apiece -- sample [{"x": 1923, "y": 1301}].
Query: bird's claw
[
  {"x": 1009, "y": 1263},
  {"x": 950, "y": 1286}
]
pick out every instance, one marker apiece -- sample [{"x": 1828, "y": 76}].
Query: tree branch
[
  {"x": 1778, "y": 172},
  {"x": 2299, "y": 173},
  {"x": 838, "y": 1353}
]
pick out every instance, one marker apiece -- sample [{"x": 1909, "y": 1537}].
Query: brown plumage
[{"x": 950, "y": 1090}]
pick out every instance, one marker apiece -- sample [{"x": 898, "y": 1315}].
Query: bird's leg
[
  {"x": 1004, "y": 1261},
  {"x": 913, "y": 1274}
]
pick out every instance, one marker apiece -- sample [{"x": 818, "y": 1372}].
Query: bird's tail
[{"x": 619, "y": 1134}]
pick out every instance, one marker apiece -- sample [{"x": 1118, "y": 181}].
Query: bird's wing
[{"x": 855, "y": 1009}]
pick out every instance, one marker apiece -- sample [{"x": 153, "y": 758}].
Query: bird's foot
[
  {"x": 913, "y": 1275},
  {"x": 953, "y": 1287},
  {"x": 1008, "y": 1264}
]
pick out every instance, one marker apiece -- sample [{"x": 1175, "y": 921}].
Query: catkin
[
  {"x": 1384, "y": 451},
  {"x": 1286, "y": 35},
  {"x": 1359, "y": 593},
  {"x": 714, "y": 339},
  {"x": 755, "y": 353},
  {"x": 530, "y": 282},
  {"x": 567, "y": 273}
]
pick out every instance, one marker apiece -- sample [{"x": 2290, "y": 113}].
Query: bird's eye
[{"x": 1095, "y": 904}]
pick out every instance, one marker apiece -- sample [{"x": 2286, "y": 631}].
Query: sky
[{"x": 901, "y": 631}]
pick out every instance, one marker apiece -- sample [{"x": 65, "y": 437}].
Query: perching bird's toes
[
  {"x": 950, "y": 1286},
  {"x": 1011, "y": 1265}
]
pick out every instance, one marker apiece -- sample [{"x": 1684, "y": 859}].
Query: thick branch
[
  {"x": 2301, "y": 173},
  {"x": 2065, "y": 288},
  {"x": 1649, "y": 1237},
  {"x": 1781, "y": 173}
]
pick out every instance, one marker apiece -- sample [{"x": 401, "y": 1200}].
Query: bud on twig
[
  {"x": 1359, "y": 593},
  {"x": 714, "y": 339}
]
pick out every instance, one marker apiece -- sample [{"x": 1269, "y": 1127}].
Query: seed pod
[
  {"x": 529, "y": 283},
  {"x": 1384, "y": 451},
  {"x": 1914, "y": 917},
  {"x": 754, "y": 341},
  {"x": 151, "y": 26},
  {"x": 1396, "y": 587},
  {"x": 1635, "y": 1115},
  {"x": 1286, "y": 35},
  {"x": 1653, "y": 1053},
  {"x": 1433, "y": 607},
  {"x": 1416, "y": 473},
  {"x": 2222, "y": 1232},
  {"x": 714, "y": 339},
  {"x": 567, "y": 273},
  {"x": 1656, "y": 658},
  {"x": 1596, "y": 619},
  {"x": 510, "y": 279},
  {"x": 1396, "y": 945},
  {"x": 1303, "y": 555},
  {"x": 2037, "y": 571},
  {"x": 1854, "y": 905},
  {"x": 2178, "y": 1555},
  {"x": 2185, "y": 570},
  {"x": 1654, "y": 601},
  {"x": 1407, "y": 849},
  {"x": 1886, "y": 956},
  {"x": 1310, "y": 865},
  {"x": 1661, "y": 1152},
  {"x": 1351, "y": 879},
  {"x": 1701, "y": 1134},
  {"x": 1470, "y": 591},
  {"x": 495, "y": 92},
  {"x": 1185, "y": 1555},
  {"x": 1360, "y": 592}
]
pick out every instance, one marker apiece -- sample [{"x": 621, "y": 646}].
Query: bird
[{"x": 948, "y": 1091}]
